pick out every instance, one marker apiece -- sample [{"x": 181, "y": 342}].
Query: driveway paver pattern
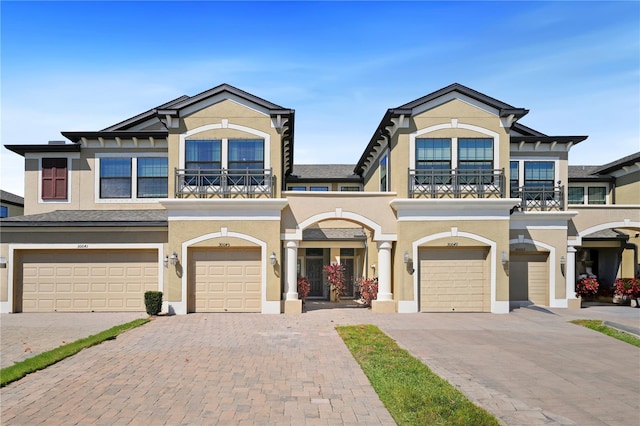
[{"x": 530, "y": 367}]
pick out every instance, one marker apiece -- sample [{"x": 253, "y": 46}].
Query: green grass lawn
[
  {"x": 45, "y": 359},
  {"x": 411, "y": 392},
  {"x": 598, "y": 325}
]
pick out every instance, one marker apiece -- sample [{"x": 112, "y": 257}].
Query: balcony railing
[
  {"x": 224, "y": 183},
  {"x": 540, "y": 198},
  {"x": 456, "y": 183}
]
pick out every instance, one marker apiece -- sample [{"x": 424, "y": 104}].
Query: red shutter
[{"x": 54, "y": 178}]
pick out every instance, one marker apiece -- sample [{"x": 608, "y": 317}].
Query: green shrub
[{"x": 153, "y": 302}]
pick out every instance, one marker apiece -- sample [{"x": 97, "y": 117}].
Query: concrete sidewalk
[{"x": 529, "y": 367}]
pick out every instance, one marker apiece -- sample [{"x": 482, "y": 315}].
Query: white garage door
[
  {"x": 529, "y": 271},
  {"x": 454, "y": 280},
  {"x": 226, "y": 280},
  {"x": 87, "y": 280}
]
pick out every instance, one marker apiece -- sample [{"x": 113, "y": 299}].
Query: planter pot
[{"x": 635, "y": 302}]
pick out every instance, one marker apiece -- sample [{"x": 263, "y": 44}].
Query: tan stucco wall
[
  {"x": 590, "y": 216},
  {"x": 266, "y": 231},
  {"x": 374, "y": 207},
  {"x": 628, "y": 189}
]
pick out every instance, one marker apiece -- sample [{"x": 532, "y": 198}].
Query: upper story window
[
  {"x": 4, "y": 212},
  {"x": 203, "y": 155},
  {"x": 350, "y": 188},
  {"x": 153, "y": 177},
  {"x": 539, "y": 174},
  {"x": 514, "y": 178},
  {"x": 54, "y": 178},
  {"x": 318, "y": 188},
  {"x": 133, "y": 177},
  {"x": 433, "y": 154},
  {"x": 475, "y": 153},
  {"x": 296, "y": 188},
  {"x": 594, "y": 194},
  {"x": 115, "y": 178},
  {"x": 384, "y": 173}
]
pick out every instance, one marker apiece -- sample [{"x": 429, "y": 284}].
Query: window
[
  {"x": 597, "y": 195},
  {"x": 514, "y": 177},
  {"x": 576, "y": 195},
  {"x": 297, "y": 188},
  {"x": 115, "y": 178},
  {"x": 539, "y": 174},
  {"x": 54, "y": 178},
  {"x": 350, "y": 188},
  {"x": 384, "y": 171},
  {"x": 4, "y": 212},
  {"x": 203, "y": 155},
  {"x": 245, "y": 155},
  {"x": 347, "y": 252},
  {"x": 475, "y": 155},
  {"x": 434, "y": 155},
  {"x": 318, "y": 188},
  {"x": 153, "y": 177}
]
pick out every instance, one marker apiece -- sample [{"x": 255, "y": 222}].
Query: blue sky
[{"x": 340, "y": 65}]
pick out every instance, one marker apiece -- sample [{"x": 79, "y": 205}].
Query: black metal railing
[
  {"x": 457, "y": 183},
  {"x": 224, "y": 183},
  {"x": 540, "y": 198}
]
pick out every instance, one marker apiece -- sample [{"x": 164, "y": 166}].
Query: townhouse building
[{"x": 454, "y": 205}]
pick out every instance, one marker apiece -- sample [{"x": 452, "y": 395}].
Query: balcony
[
  {"x": 456, "y": 183},
  {"x": 540, "y": 198},
  {"x": 224, "y": 183}
]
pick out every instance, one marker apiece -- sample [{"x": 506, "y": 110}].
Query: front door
[{"x": 313, "y": 269}]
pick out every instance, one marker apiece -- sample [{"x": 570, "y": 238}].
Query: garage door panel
[
  {"x": 87, "y": 280},
  {"x": 530, "y": 277},
  {"x": 226, "y": 280},
  {"x": 453, "y": 280}
]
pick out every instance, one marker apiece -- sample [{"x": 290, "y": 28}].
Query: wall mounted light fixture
[
  {"x": 174, "y": 258},
  {"x": 273, "y": 258},
  {"x": 563, "y": 260},
  {"x": 406, "y": 257},
  {"x": 504, "y": 258},
  {"x": 166, "y": 261}
]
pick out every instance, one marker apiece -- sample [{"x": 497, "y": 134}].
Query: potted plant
[
  {"x": 335, "y": 280},
  {"x": 587, "y": 288},
  {"x": 368, "y": 288},
  {"x": 304, "y": 287},
  {"x": 628, "y": 288}
]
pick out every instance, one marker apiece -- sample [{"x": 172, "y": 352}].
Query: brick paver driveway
[{"x": 529, "y": 367}]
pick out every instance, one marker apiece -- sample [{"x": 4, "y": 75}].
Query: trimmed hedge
[{"x": 153, "y": 302}]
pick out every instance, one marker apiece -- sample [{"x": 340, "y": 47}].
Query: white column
[
  {"x": 570, "y": 273},
  {"x": 384, "y": 271},
  {"x": 292, "y": 270}
]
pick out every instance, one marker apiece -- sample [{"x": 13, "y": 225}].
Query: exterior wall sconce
[
  {"x": 273, "y": 258},
  {"x": 406, "y": 257},
  {"x": 174, "y": 258},
  {"x": 563, "y": 260},
  {"x": 504, "y": 259},
  {"x": 3, "y": 262},
  {"x": 166, "y": 261}
]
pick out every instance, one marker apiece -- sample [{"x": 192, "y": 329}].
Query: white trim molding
[
  {"x": 40, "y": 156},
  {"x": 437, "y": 209},
  {"x": 7, "y": 307},
  {"x": 541, "y": 220},
  {"x": 378, "y": 235},
  {"x": 241, "y": 209}
]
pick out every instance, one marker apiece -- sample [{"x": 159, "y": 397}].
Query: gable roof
[
  {"x": 619, "y": 164},
  {"x": 525, "y": 134},
  {"x": 586, "y": 173},
  {"x": 9, "y": 198}
]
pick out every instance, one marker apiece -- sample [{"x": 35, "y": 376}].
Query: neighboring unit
[
  {"x": 454, "y": 206},
  {"x": 10, "y": 204}
]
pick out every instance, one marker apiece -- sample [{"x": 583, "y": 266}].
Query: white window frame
[
  {"x": 522, "y": 160},
  {"x": 134, "y": 177}
]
